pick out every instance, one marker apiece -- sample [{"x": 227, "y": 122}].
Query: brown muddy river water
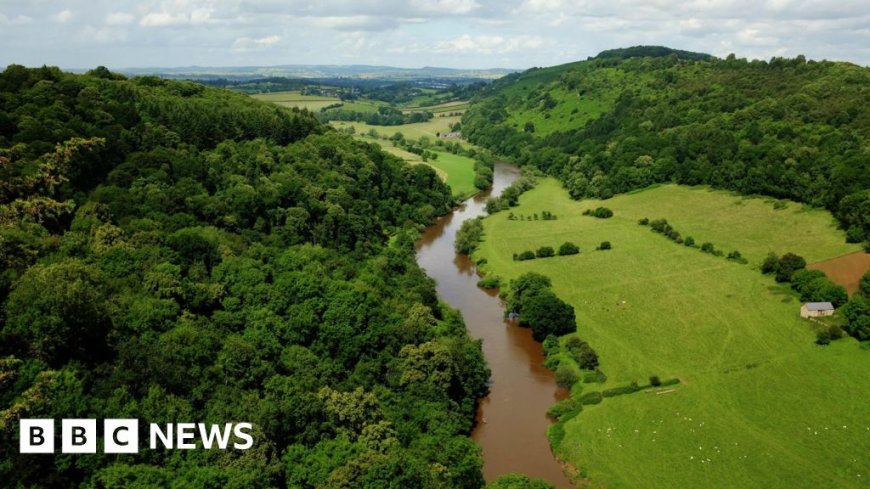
[
  {"x": 512, "y": 420},
  {"x": 845, "y": 270}
]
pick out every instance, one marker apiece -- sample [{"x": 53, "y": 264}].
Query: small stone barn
[{"x": 816, "y": 309}]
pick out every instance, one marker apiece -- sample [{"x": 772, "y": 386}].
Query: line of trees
[
  {"x": 384, "y": 116},
  {"x": 664, "y": 228},
  {"x": 565, "y": 249}
]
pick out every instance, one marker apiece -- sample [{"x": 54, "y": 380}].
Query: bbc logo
[
  {"x": 122, "y": 436},
  {"x": 79, "y": 436}
]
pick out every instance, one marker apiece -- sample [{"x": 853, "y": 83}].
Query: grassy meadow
[
  {"x": 760, "y": 405},
  {"x": 429, "y": 129},
  {"x": 296, "y": 99},
  {"x": 447, "y": 107},
  {"x": 457, "y": 171}
]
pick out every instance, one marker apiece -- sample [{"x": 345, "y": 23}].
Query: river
[{"x": 512, "y": 420}]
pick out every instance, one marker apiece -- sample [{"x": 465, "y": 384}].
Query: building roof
[{"x": 819, "y": 306}]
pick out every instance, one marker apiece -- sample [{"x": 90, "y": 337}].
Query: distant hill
[
  {"x": 363, "y": 72},
  {"x": 653, "y": 52},
  {"x": 788, "y": 128}
]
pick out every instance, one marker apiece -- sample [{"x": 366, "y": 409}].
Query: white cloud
[
  {"x": 484, "y": 44},
  {"x": 180, "y": 12},
  {"x": 63, "y": 16},
  {"x": 102, "y": 35},
  {"x": 119, "y": 18},
  {"x": 448, "y": 7},
  {"x": 355, "y": 42},
  {"x": 249, "y": 44},
  {"x": 162, "y": 19},
  {"x": 17, "y": 20},
  {"x": 355, "y": 22},
  {"x": 540, "y": 6}
]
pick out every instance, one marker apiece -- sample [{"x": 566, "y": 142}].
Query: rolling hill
[{"x": 787, "y": 128}]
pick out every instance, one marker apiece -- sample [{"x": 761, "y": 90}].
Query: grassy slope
[
  {"x": 765, "y": 405},
  {"x": 600, "y": 87},
  {"x": 457, "y": 171},
  {"x": 314, "y": 102},
  {"x": 455, "y": 106},
  {"x": 428, "y": 129},
  {"x": 296, "y": 99},
  {"x": 460, "y": 172}
]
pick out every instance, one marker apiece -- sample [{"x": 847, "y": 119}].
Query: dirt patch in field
[{"x": 845, "y": 270}]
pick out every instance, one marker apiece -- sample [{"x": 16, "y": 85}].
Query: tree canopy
[
  {"x": 788, "y": 128},
  {"x": 173, "y": 252}
]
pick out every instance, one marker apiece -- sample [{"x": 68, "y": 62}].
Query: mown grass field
[
  {"x": 457, "y": 171},
  {"x": 448, "y": 107},
  {"x": 429, "y": 129},
  {"x": 760, "y": 405},
  {"x": 315, "y": 102},
  {"x": 296, "y": 99}
]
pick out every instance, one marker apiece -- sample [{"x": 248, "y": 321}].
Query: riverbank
[
  {"x": 760, "y": 404},
  {"x": 512, "y": 419}
]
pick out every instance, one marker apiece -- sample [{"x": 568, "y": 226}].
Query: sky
[{"x": 416, "y": 33}]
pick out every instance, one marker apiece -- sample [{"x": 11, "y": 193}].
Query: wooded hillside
[
  {"x": 177, "y": 253},
  {"x": 788, "y": 128}
]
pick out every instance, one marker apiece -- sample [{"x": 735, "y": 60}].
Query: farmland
[
  {"x": 296, "y": 99},
  {"x": 429, "y": 129},
  {"x": 759, "y": 404},
  {"x": 456, "y": 170}
]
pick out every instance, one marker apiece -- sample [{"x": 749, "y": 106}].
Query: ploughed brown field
[{"x": 845, "y": 270}]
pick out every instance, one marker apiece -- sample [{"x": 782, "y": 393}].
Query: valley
[{"x": 756, "y": 397}]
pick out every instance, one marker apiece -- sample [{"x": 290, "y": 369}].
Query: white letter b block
[
  {"x": 36, "y": 436},
  {"x": 78, "y": 436}
]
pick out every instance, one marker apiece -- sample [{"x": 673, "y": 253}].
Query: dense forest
[
  {"x": 173, "y": 252},
  {"x": 788, "y": 128}
]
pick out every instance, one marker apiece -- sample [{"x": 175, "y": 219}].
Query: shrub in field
[
  {"x": 770, "y": 263},
  {"x": 618, "y": 391},
  {"x": 789, "y": 263},
  {"x": 545, "y": 252},
  {"x": 596, "y": 376},
  {"x": 489, "y": 282},
  {"x": 599, "y": 212},
  {"x": 591, "y": 398},
  {"x": 526, "y": 255},
  {"x": 546, "y": 314},
  {"x": 565, "y": 376},
  {"x": 568, "y": 248}
]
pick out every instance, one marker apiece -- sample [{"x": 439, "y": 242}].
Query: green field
[
  {"x": 296, "y": 99},
  {"x": 314, "y": 103},
  {"x": 457, "y": 171},
  {"x": 573, "y": 107},
  {"x": 760, "y": 405},
  {"x": 429, "y": 129},
  {"x": 446, "y": 107}
]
